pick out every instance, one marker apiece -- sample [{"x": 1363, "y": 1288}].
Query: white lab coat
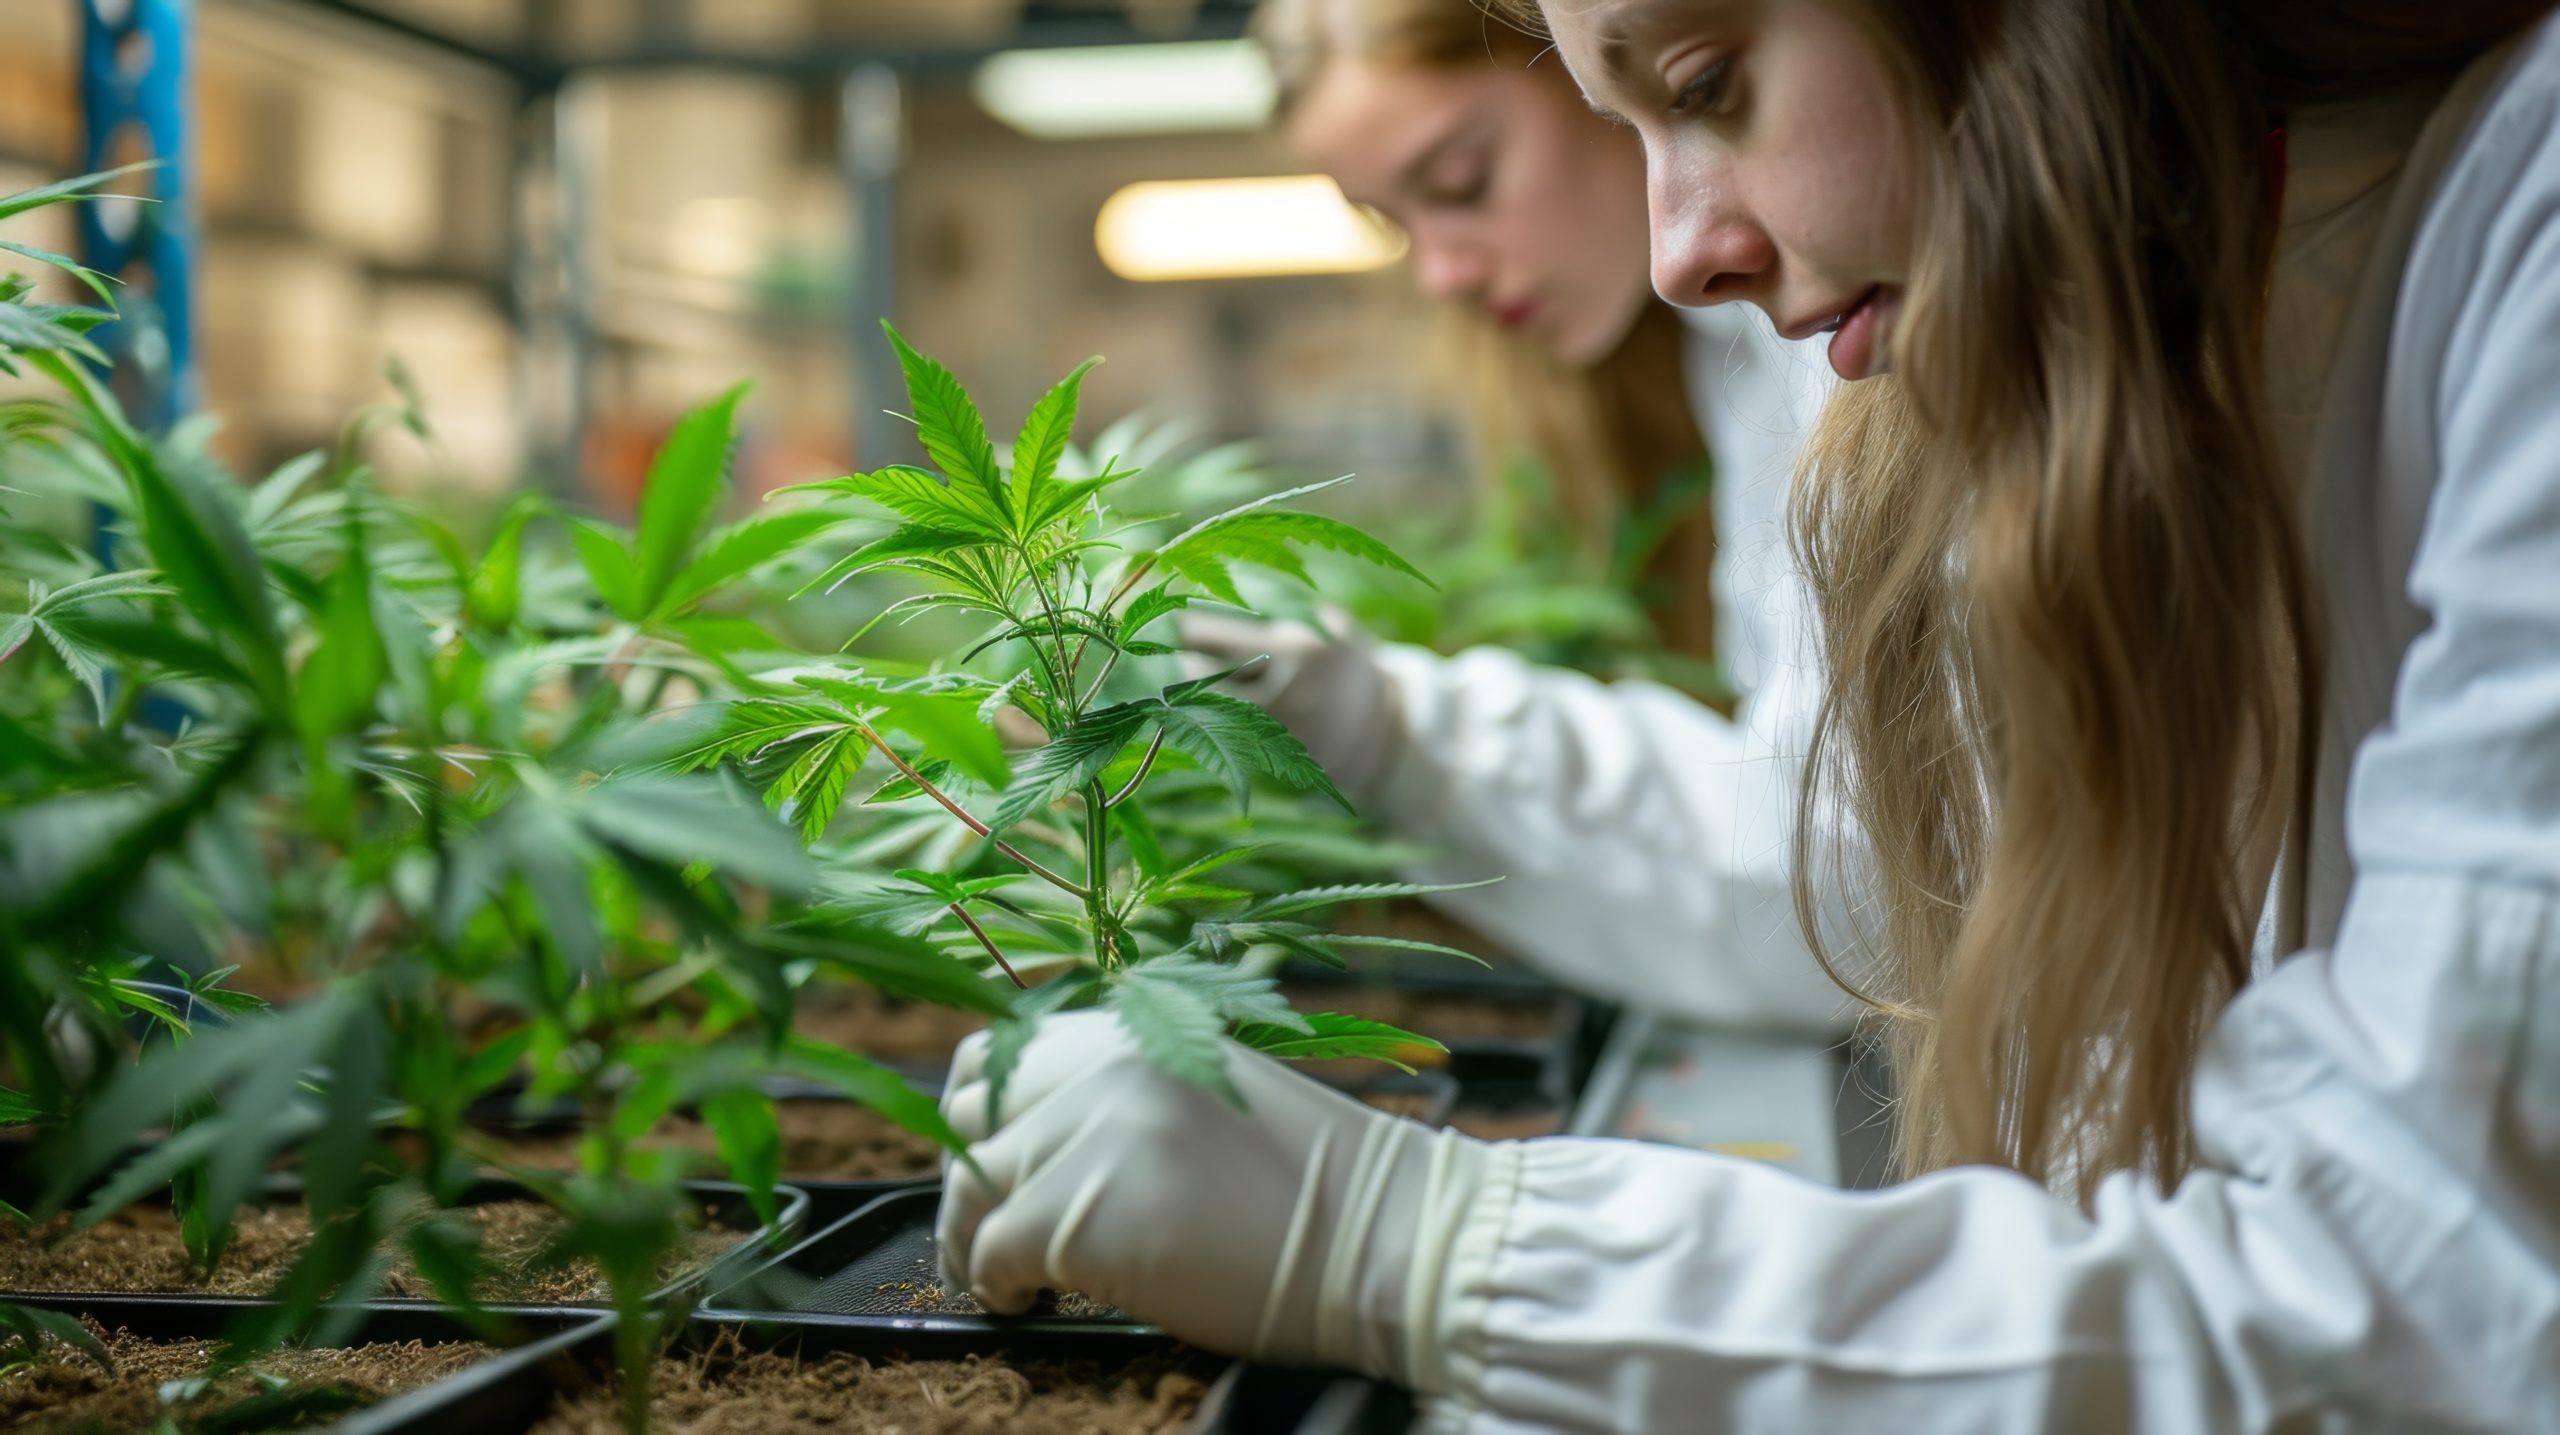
[
  {"x": 2371, "y": 1240},
  {"x": 1643, "y": 838}
]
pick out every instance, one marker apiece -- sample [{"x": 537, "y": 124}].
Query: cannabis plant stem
[
  {"x": 1056, "y": 659},
  {"x": 989, "y": 943},
  {"x": 1097, "y": 867},
  {"x": 872, "y": 736},
  {"x": 1110, "y": 660},
  {"x": 1145, "y": 763}
]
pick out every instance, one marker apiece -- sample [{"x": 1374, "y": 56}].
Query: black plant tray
[
  {"x": 178, "y": 1314},
  {"x": 823, "y": 1296},
  {"x": 462, "y": 1397},
  {"x": 1267, "y": 1400},
  {"x": 860, "y": 1274},
  {"x": 513, "y": 1393}
]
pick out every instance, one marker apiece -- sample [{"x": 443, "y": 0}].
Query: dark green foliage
[{"x": 1067, "y": 847}]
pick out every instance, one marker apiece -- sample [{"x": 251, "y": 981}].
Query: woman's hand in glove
[
  {"x": 1304, "y": 1229},
  {"x": 1328, "y": 690}
]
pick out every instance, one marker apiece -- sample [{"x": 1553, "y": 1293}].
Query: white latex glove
[
  {"x": 1308, "y": 1230},
  {"x": 1327, "y": 689}
]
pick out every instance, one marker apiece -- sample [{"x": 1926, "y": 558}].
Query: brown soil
[
  {"x": 63, "y": 1392},
  {"x": 923, "y": 1293},
  {"x": 1443, "y": 1018},
  {"x": 862, "y": 1021},
  {"x": 730, "y": 1390},
  {"x": 822, "y": 1140},
  {"x": 139, "y": 1250}
]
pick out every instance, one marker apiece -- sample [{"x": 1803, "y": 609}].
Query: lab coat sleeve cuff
[{"x": 1466, "y": 1283}]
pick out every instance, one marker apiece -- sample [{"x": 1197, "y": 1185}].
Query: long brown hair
[
  {"x": 1610, "y": 433},
  {"x": 2074, "y": 659},
  {"x": 2075, "y": 663}
]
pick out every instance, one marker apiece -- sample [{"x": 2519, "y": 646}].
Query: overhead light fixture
[
  {"x": 1087, "y": 91},
  {"x": 1240, "y": 228}
]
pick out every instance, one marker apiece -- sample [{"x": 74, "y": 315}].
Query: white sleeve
[
  {"x": 1643, "y": 839},
  {"x": 2371, "y": 1240}
]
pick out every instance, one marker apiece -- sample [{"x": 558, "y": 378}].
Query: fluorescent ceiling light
[
  {"x": 1239, "y": 228},
  {"x": 1080, "y": 92}
]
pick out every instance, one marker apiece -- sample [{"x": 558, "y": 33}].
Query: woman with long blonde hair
[
  {"x": 1640, "y": 835},
  {"x": 2186, "y": 538}
]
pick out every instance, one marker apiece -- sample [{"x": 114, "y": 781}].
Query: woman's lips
[
  {"x": 1515, "y": 315},
  {"x": 1857, "y": 336}
]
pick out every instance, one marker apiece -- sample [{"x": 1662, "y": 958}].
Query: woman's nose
[
  {"x": 1448, "y": 270},
  {"x": 1706, "y": 250}
]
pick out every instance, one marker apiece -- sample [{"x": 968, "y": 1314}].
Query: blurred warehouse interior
[{"x": 570, "y": 219}]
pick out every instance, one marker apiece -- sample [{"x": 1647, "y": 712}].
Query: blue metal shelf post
[{"x": 134, "y": 87}]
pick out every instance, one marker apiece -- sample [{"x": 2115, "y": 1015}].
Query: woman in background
[{"x": 1640, "y": 835}]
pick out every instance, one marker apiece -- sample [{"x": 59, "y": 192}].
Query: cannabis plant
[
  {"x": 1065, "y": 877},
  {"x": 1517, "y": 574},
  {"x": 306, "y": 723}
]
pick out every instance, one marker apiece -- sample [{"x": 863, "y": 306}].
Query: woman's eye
[
  {"x": 1708, "y": 94},
  {"x": 1461, "y": 190}
]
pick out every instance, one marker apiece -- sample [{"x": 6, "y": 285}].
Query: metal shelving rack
[{"x": 548, "y": 296}]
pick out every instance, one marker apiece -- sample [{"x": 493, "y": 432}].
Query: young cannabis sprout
[{"x": 1067, "y": 595}]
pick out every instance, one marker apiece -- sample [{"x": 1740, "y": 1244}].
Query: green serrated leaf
[
  {"x": 155, "y": 645},
  {"x": 1332, "y": 1036},
  {"x": 268, "y": 499},
  {"x": 194, "y": 534},
  {"x": 1042, "y": 443},
  {"x": 1401, "y": 944},
  {"x": 1177, "y": 1027},
  {"x": 496, "y": 589},
  {"x": 951, "y": 429},
  {"x": 739, "y": 549},
  {"x": 1235, "y": 739},
  {"x": 609, "y": 566},
  {"x": 1075, "y": 758},
  {"x": 923, "y": 497},
  {"x": 337, "y": 686},
  {"x": 96, "y": 282},
  {"x": 684, "y": 486},
  {"x": 903, "y": 787},
  {"x": 678, "y": 820},
  {"x": 912, "y": 541},
  {"x": 1146, "y": 852},
  {"x": 1313, "y": 898},
  {"x": 79, "y": 187},
  {"x": 742, "y": 1123},
  {"x": 29, "y": 1324},
  {"x": 901, "y": 965},
  {"x": 139, "y": 583},
  {"x": 1260, "y": 534},
  {"x": 1234, "y": 993},
  {"x": 82, "y": 663},
  {"x": 37, "y": 328},
  {"x": 873, "y": 1085},
  {"x": 810, "y": 792}
]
